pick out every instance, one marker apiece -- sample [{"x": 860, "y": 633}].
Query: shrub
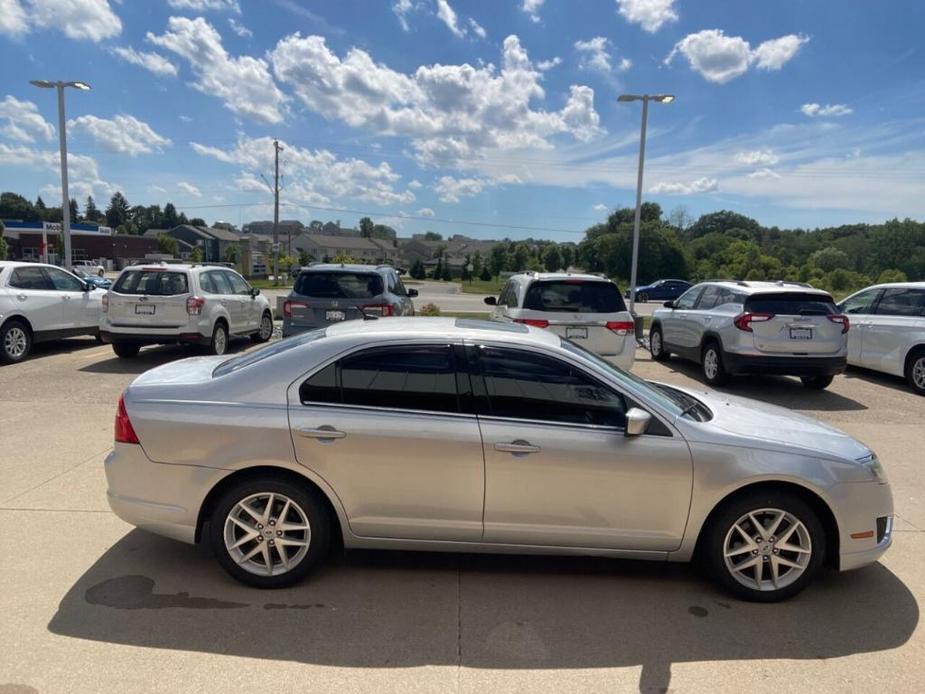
[{"x": 429, "y": 310}]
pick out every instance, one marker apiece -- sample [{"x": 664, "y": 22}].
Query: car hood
[{"x": 777, "y": 427}]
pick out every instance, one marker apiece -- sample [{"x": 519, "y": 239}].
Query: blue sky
[{"x": 491, "y": 118}]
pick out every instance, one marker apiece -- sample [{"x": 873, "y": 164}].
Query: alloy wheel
[
  {"x": 266, "y": 327},
  {"x": 655, "y": 343},
  {"x": 918, "y": 373},
  {"x": 220, "y": 341},
  {"x": 267, "y": 534},
  {"x": 15, "y": 342},
  {"x": 710, "y": 364},
  {"x": 767, "y": 549}
]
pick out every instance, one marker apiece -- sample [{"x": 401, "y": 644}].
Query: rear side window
[
  {"x": 902, "y": 302},
  {"x": 791, "y": 304},
  {"x": 152, "y": 282},
  {"x": 339, "y": 285},
  {"x": 30, "y": 278},
  {"x": 574, "y": 296}
]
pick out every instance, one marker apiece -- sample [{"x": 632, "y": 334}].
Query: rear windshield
[
  {"x": 574, "y": 296},
  {"x": 791, "y": 304},
  {"x": 267, "y": 351},
  {"x": 339, "y": 285},
  {"x": 152, "y": 282}
]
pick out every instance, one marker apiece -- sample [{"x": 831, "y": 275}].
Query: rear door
[
  {"x": 34, "y": 295},
  {"x": 795, "y": 323},
  {"x": 898, "y": 320},
  {"x": 149, "y": 298},
  {"x": 322, "y": 297},
  {"x": 859, "y": 308}
]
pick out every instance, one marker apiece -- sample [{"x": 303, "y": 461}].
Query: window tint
[
  {"x": 902, "y": 302},
  {"x": 30, "y": 278},
  {"x": 339, "y": 285},
  {"x": 791, "y": 304},
  {"x": 322, "y": 387},
  {"x": 152, "y": 282},
  {"x": 64, "y": 281},
  {"x": 508, "y": 296},
  {"x": 574, "y": 296},
  {"x": 860, "y": 303},
  {"x": 523, "y": 385},
  {"x": 688, "y": 298},
  {"x": 709, "y": 298},
  {"x": 207, "y": 283},
  {"x": 238, "y": 285}
]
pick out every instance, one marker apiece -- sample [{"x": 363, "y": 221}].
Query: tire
[
  {"x": 218, "y": 345},
  {"x": 125, "y": 350},
  {"x": 915, "y": 371},
  {"x": 306, "y": 510},
  {"x": 15, "y": 341},
  {"x": 712, "y": 366},
  {"x": 817, "y": 382},
  {"x": 657, "y": 344},
  {"x": 799, "y": 528},
  {"x": 264, "y": 334},
  {"x": 642, "y": 298}
]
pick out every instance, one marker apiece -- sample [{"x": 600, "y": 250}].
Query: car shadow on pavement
[
  {"x": 67, "y": 346},
  {"x": 150, "y": 357},
  {"x": 404, "y": 609}
]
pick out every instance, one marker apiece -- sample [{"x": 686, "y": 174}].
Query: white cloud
[
  {"x": 601, "y": 207},
  {"x": 545, "y": 65},
  {"x": 447, "y": 15},
  {"x": 757, "y": 157},
  {"x": 415, "y": 184},
  {"x": 624, "y": 64},
  {"x": 593, "y": 54},
  {"x": 477, "y": 28},
  {"x": 23, "y": 121},
  {"x": 719, "y": 58},
  {"x": 454, "y": 189},
  {"x": 402, "y": 8},
  {"x": 206, "y": 5},
  {"x": 239, "y": 28},
  {"x": 92, "y": 20},
  {"x": 122, "y": 134},
  {"x": 651, "y": 15},
  {"x": 425, "y": 212},
  {"x": 701, "y": 185},
  {"x": 764, "y": 173},
  {"x": 244, "y": 84},
  {"x": 153, "y": 62},
  {"x": 450, "y": 112},
  {"x": 827, "y": 111},
  {"x": 532, "y": 8},
  {"x": 189, "y": 189},
  {"x": 157, "y": 189},
  {"x": 82, "y": 170},
  {"x": 312, "y": 176}
]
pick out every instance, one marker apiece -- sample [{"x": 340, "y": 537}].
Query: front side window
[
  {"x": 902, "y": 302},
  {"x": 152, "y": 283},
  {"x": 709, "y": 298},
  {"x": 525, "y": 385},
  {"x": 574, "y": 296},
  {"x": 238, "y": 285},
  {"x": 861, "y": 303},
  {"x": 30, "y": 278},
  {"x": 64, "y": 281},
  {"x": 689, "y": 298}
]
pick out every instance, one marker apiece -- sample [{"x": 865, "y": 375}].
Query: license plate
[
  {"x": 576, "y": 333},
  {"x": 144, "y": 309},
  {"x": 334, "y": 315},
  {"x": 801, "y": 333}
]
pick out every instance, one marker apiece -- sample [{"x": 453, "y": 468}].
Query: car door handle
[
  {"x": 322, "y": 433},
  {"x": 517, "y": 447},
  {"x": 66, "y": 297},
  {"x": 21, "y": 297}
]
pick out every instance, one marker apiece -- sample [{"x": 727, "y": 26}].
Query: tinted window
[
  {"x": 207, "y": 283},
  {"x": 267, "y": 351},
  {"x": 574, "y": 296},
  {"x": 860, "y": 303},
  {"x": 523, "y": 385},
  {"x": 688, "y": 298},
  {"x": 238, "y": 285},
  {"x": 791, "y": 304},
  {"x": 902, "y": 302},
  {"x": 709, "y": 298},
  {"x": 152, "y": 282},
  {"x": 508, "y": 296},
  {"x": 322, "y": 387},
  {"x": 64, "y": 281},
  {"x": 339, "y": 285},
  {"x": 30, "y": 278}
]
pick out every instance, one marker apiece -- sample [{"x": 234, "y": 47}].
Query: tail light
[
  {"x": 125, "y": 432},
  {"x": 288, "y": 305},
  {"x": 622, "y": 327},
  {"x": 104, "y": 303},
  {"x": 535, "y": 322},
  {"x": 744, "y": 320},
  {"x": 378, "y": 309},
  {"x": 194, "y": 305},
  {"x": 842, "y": 320}
]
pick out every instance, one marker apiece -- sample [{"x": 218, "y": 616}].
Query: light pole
[
  {"x": 62, "y": 140},
  {"x": 645, "y": 99}
]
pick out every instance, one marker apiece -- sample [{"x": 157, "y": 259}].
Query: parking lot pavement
[{"x": 92, "y": 605}]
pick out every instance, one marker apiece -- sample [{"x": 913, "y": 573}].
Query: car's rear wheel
[
  {"x": 15, "y": 341},
  {"x": 817, "y": 382},
  {"x": 714, "y": 371},
  {"x": 657, "y": 345},
  {"x": 268, "y": 532},
  {"x": 915, "y": 371},
  {"x": 765, "y": 546},
  {"x": 219, "y": 343},
  {"x": 266, "y": 329},
  {"x": 125, "y": 350}
]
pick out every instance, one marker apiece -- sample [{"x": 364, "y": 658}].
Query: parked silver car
[
  {"x": 474, "y": 436},
  {"x": 739, "y": 327}
]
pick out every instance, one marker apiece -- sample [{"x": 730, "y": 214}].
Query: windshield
[
  {"x": 574, "y": 296},
  {"x": 267, "y": 351},
  {"x": 339, "y": 285}
]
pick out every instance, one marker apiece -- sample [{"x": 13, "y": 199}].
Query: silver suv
[
  {"x": 169, "y": 304},
  {"x": 736, "y": 327},
  {"x": 329, "y": 293}
]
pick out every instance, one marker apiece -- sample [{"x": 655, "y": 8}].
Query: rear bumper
[
  {"x": 789, "y": 366},
  {"x": 154, "y": 338}
]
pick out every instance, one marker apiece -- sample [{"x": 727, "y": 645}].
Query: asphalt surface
[{"x": 89, "y": 604}]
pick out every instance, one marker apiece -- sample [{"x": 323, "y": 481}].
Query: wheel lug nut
[
  {"x": 271, "y": 543},
  {"x": 772, "y": 539},
  {"x": 259, "y": 526},
  {"x": 279, "y": 533},
  {"x": 765, "y": 557},
  {"x": 757, "y": 539},
  {"x": 754, "y": 551},
  {"x": 272, "y": 522},
  {"x": 260, "y": 539}
]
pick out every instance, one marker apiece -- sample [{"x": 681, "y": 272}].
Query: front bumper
[
  {"x": 784, "y": 366},
  {"x": 857, "y": 506}
]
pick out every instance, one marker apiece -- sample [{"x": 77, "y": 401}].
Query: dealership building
[{"x": 42, "y": 241}]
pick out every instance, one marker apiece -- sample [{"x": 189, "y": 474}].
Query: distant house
[
  {"x": 323, "y": 247},
  {"x": 455, "y": 249},
  {"x": 292, "y": 227},
  {"x": 214, "y": 242}
]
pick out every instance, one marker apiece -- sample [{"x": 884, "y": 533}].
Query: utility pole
[{"x": 276, "y": 149}]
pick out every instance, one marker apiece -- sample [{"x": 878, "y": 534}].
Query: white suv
[
  {"x": 585, "y": 308},
  {"x": 169, "y": 304},
  {"x": 42, "y": 302}
]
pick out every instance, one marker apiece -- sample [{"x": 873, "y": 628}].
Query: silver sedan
[{"x": 469, "y": 436}]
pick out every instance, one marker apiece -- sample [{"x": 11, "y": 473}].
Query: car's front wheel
[
  {"x": 268, "y": 532},
  {"x": 714, "y": 371},
  {"x": 657, "y": 344},
  {"x": 765, "y": 546}
]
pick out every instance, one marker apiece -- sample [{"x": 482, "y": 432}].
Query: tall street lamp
[
  {"x": 62, "y": 140},
  {"x": 645, "y": 99}
]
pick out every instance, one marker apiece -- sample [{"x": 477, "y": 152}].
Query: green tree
[
  {"x": 892, "y": 275},
  {"x": 74, "y": 211},
  {"x": 447, "y": 273},
  {"x": 486, "y": 274},
  {"x": 466, "y": 274},
  {"x": 117, "y": 212},
  {"x": 567, "y": 252},
  {"x": 196, "y": 255},
  {"x": 366, "y": 227},
  {"x": 477, "y": 264},
  {"x": 305, "y": 258},
  {"x": 498, "y": 260},
  {"x": 438, "y": 269},
  {"x": 343, "y": 257},
  {"x": 198, "y": 222},
  {"x": 552, "y": 259},
  {"x": 91, "y": 213},
  {"x": 233, "y": 254},
  {"x": 40, "y": 209},
  {"x": 4, "y": 249},
  {"x": 828, "y": 259},
  {"x": 433, "y": 236},
  {"x": 170, "y": 218},
  {"x": 520, "y": 257},
  {"x": 13, "y": 206},
  {"x": 168, "y": 245}
]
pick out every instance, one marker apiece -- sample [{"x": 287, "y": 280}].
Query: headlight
[{"x": 876, "y": 469}]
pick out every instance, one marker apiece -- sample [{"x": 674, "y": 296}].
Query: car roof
[
  {"x": 176, "y": 267},
  {"x": 346, "y": 267},
  {"x": 448, "y": 328},
  {"x": 530, "y": 276},
  {"x": 896, "y": 285},
  {"x": 755, "y": 287}
]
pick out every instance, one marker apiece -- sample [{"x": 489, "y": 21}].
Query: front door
[
  {"x": 898, "y": 314},
  {"x": 386, "y": 429},
  {"x": 248, "y": 315},
  {"x": 72, "y": 300},
  {"x": 675, "y": 328},
  {"x": 558, "y": 469}
]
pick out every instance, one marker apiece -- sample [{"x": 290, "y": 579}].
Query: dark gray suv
[{"x": 328, "y": 293}]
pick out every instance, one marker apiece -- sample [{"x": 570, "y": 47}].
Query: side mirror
[
  {"x": 89, "y": 286},
  {"x": 412, "y": 293},
  {"x": 255, "y": 292},
  {"x": 637, "y": 422},
  {"x": 491, "y": 301},
  {"x": 668, "y": 304}
]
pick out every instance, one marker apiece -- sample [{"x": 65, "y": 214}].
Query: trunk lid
[
  {"x": 795, "y": 323},
  {"x": 322, "y": 297},
  {"x": 149, "y": 298}
]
